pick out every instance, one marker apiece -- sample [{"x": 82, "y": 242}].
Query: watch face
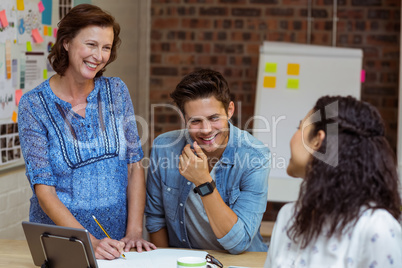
[{"x": 204, "y": 189}]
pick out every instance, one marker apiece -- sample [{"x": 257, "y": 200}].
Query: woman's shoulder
[
  {"x": 33, "y": 93},
  {"x": 114, "y": 81},
  {"x": 374, "y": 222}
]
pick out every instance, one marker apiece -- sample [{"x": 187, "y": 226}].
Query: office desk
[{"x": 15, "y": 253}]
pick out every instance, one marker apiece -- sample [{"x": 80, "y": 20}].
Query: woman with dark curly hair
[
  {"x": 348, "y": 208},
  {"x": 80, "y": 141}
]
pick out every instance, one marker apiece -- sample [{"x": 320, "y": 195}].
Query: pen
[{"x": 104, "y": 231}]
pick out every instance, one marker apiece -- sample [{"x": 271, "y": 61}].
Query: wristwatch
[{"x": 205, "y": 188}]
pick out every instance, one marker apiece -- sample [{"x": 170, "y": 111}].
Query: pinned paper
[
  {"x": 45, "y": 74},
  {"x": 45, "y": 31},
  {"x": 363, "y": 76},
  {"x": 49, "y": 31},
  {"x": 3, "y": 18},
  {"x": 18, "y": 95},
  {"x": 29, "y": 46},
  {"x": 270, "y": 67},
  {"x": 36, "y": 36},
  {"x": 14, "y": 117},
  {"x": 292, "y": 83},
  {"x": 8, "y": 59},
  {"x": 55, "y": 32},
  {"x": 41, "y": 7},
  {"x": 47, "y": 13},
  {"x": 20, "y": 5},
  {"x": 270, "y": 81},
  {"x": 293, "y": 69}
]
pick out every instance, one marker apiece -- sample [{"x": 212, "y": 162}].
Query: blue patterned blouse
[{"x": 85, "y": 159}]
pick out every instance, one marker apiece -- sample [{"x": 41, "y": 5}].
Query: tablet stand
[{"x": 47, "y": 264}]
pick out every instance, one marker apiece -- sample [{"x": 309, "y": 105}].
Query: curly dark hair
[
  {"x": 365, "y": 176},
  {"x": 75, "y": 20},
  {"x": 202, "y": 83}
]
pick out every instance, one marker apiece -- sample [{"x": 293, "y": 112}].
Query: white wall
[{"x": 15, "y": 193}]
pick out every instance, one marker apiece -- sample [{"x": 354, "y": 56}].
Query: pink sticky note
[
  {"x": 36, "y": 36},
  {"x": 18, "y": 95},
  {"x": 363, "y": 76},
  {"x": 41, "y": 7},
  {"x": 55, "y": 32},
  {"x": 3, "y": 18}
]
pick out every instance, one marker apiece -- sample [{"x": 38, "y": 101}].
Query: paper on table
[{"x": 166, "y": 258}]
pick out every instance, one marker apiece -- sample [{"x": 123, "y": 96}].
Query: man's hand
[
  {"x": 137, "y": 242},
  {"x": 193, "y": 165}
]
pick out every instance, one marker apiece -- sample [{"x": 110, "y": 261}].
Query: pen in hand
[{"x": 105, "y": 231}]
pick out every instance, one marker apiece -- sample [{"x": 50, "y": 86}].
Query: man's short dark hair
[{"x": 201, "y": 84}]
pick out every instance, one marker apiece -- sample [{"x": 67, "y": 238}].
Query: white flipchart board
[{"x": 291, "y": 77}]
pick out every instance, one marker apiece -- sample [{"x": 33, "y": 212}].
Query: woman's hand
[
  {"x": 136, "y": 241},
  {"x": 107, "y": 249}
]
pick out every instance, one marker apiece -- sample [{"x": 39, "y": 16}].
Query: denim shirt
[{"x": 241, "y": 180}]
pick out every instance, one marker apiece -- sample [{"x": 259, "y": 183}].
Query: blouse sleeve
[
  {"x": 381, "y": 241},
  {"x": 34, "y": 143},
  {"x": 134, "y": 151}
]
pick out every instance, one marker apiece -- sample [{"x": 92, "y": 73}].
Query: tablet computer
[{"x": 59, "y": 247}]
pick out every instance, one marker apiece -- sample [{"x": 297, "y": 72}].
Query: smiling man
[{"x": 207, "y": 184}]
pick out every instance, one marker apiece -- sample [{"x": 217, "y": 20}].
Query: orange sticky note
[
  {"x": 41, "y": 7},
  {"x": 3, "y": 18},
  {"x": 14, "y": 117},
  {"x": 293, "y": 69},
  {"x": 36, "y": 36},
  {"x": 45, "y": 30},
  {"x": 20, "y": 5},
  {"x": 270, "y": 81},
  {"x": 18, "y": 95}
]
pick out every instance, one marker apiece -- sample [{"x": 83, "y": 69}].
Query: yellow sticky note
[
  {"x": 44, "y": 73},
  {"x": 270, "y": 67},
  {"x": 14, "y": 117},
  {"x": 49, "y": 31},
  {"x": 270, "y": 81},
  {"x": 292, "y": 83},
  {"x": 20, "y": 5},
  {"x": 29, "y": 46},
  {"x": 293, "y": 69}
]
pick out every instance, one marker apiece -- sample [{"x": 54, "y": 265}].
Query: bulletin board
[
  {"x": 291, "y": 78},
  {"x": 27, "y": 32}
]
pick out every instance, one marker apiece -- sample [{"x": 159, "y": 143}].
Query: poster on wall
[{"x": 26, "y": 37}]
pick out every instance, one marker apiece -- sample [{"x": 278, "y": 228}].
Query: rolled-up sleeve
[{"x": 249, "y": 204}]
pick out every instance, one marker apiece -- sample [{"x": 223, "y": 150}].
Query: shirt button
[
  {"x": 181, "y": 222},
  {"x": 181, "y": 204},
  {"x": 188, "y": 183},
  {"x": 168, "y": 189},
  {"x": 184, "y": 240}
]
